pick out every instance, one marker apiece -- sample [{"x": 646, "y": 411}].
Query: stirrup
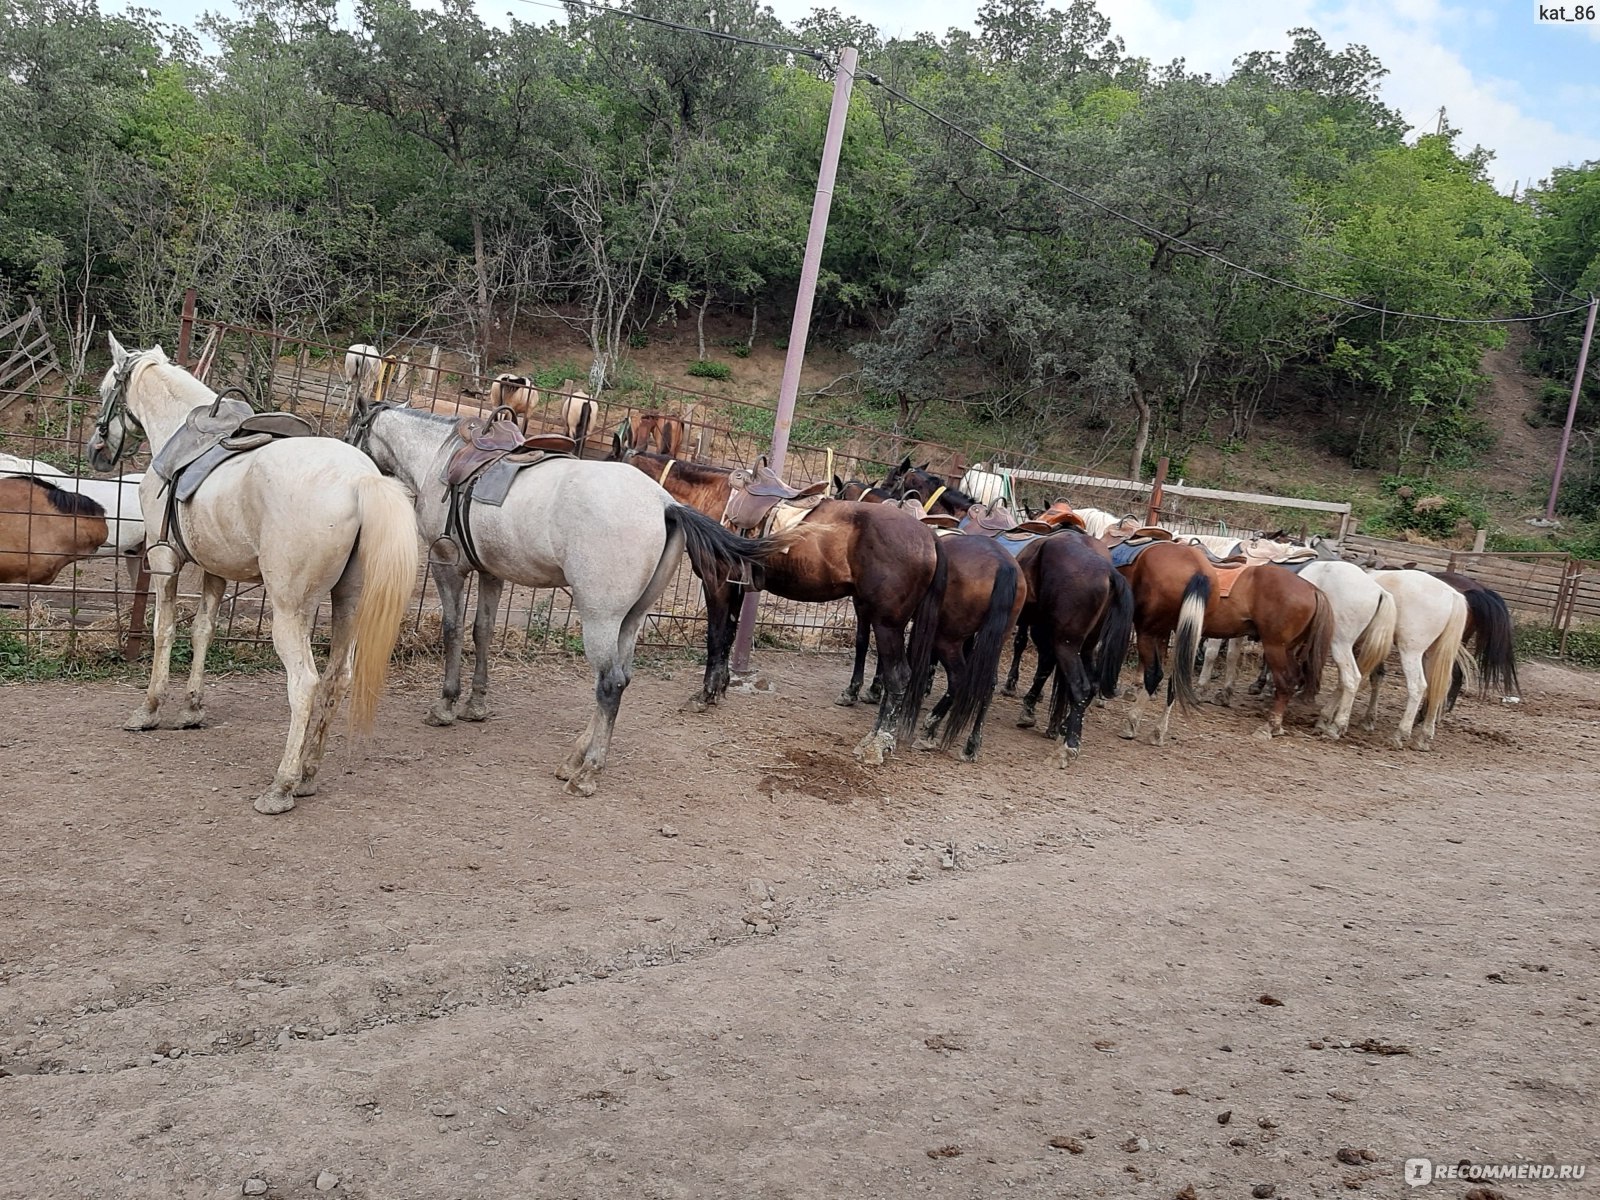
[
  {"x": 444, "y": 549},
  {"x": 162, "y": 558}
]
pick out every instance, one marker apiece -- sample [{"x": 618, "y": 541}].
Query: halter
[
  {"x": 359, "y": 432},
  {"x": 116, "y": 405}
]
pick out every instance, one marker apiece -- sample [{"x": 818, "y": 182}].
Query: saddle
[
  {"x": 209, "y": 437},
  {"x": 1230, "y": 574},
  {"x": 1124, "y": 552},
  {"x": 499, "y": 442},
  {"x": 996, "y": 522},
  {"x": 753, "y": 496},
  {"x": 1058, "y": 514}
]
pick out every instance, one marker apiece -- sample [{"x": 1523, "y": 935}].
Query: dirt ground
[{"x": 749, "y": 968}]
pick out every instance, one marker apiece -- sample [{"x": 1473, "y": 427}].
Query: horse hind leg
[
  {"x": 1335, "y": 717},
  {"x": 148, "y": 714},
  {"x": 1043, "y": 669},
  {"x": 1150, "y": 659},
  {"x": 852, "y": 691},
  {"x": 452, "y": 585},
  {"x": 205, "y": 624},
  {"x": 1277, "y": 660},
  {"x": 609, "y": 648},
  {"x": 896, "y": 672},
  {"x": 1369, "y": 720},
  {"x": 332, "y": 687},
  {"x": 1018, "y": 645},
  {"x": 1416, "y": 693}
]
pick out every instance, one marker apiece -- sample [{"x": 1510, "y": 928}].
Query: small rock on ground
[{"x": 327, "y": 1181}]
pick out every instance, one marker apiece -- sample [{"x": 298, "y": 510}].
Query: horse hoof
[
  {"x": 1225, "y": 698},
  {"x": 1128, "y": 734},
  {"x": 1066, "y": 756},
  {"x": 440, "y": 715},
  {"x": 1009, "y": 689},
  {"x": 1397, "y": 742},
  {"x": 697, "y": 703},
  {"x": 273, "y": 801},
  {"x": 475, "y": 710},
  {"x": 1264, "y": 734},
  {"x": 873, "y": 748},
  {"x": 142, "y": 721},
  {"x": 1027, "y": 718},
  {"x": 580, "y": 785},
  {"x": 306, "y": 787},
  {"x": 925, "y": 743},
  {"x": 845, "y": 699},
  {"x": 192, "y": 718},
  {"x": 1422, "y": 743},
  {"x": 1331, "y": 732},
  {"x": 967, "y": 756}
]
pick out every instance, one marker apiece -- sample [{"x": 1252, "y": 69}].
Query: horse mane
[
  {"x": 73, "y": 504},
  {"x": 687, "y": 471}
]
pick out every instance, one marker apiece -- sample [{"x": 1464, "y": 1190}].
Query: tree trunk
[
  {"x": 1141, "y": 437},
  {"x": 700, "y": 322},
  {"x": 752, "y": 325}
]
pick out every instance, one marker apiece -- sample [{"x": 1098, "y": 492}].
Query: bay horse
[
  {"x": 854, "y": 489},
  {"x": 937, "y": 496},
  {"x": 1431, "y": 620},
  {"x": 1176, "y": 589},
  {"x": 984, "y": 594},
  {"x": 1080, "y": 617},
  {"x": 598, "y": 528},
  {"x": 306, "y": 517},
  {"x": 45, "y": 528}
]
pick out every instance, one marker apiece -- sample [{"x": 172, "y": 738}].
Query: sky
[{"x": 1526, "y": 90}]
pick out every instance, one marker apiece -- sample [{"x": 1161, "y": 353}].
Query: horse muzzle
[{"x": 100, "y": 456}]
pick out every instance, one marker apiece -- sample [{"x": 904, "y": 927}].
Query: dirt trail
[{"x": 444, "y": 978}]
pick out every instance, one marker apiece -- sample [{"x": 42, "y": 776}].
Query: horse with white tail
[
  {"x": 608, "y": 532},
  {"x": 308, "y": 517},
  {"x": 1431, "y": 622}
]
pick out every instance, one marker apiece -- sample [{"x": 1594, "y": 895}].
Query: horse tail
[
  {"x": 1191, "y": 623},
  {"x": 386, "y": 551},
  {"x": 1315, "y": 645},
  {"x": 1116, "y": 627},
  {"x": 924, "y": 632},
  {"x": 1495, "y": 639},
  {"x": 715, "y": 553},
  {"x": 586, "y": 411},
  {"x": 973, "y": 692},
  {"x": 1444, "y": 655},
  {"x": 1377, "y": 639}
]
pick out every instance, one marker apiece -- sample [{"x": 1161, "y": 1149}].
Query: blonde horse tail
[
  {"x": 386, "y": 550},
  {"x": 1442, "y": 657},
  {"x": 1186, "y": 643},
  {"x": 1377, "y": 639}
]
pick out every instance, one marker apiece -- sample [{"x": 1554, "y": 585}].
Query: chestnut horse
[
  {"x": 1080, "y": 615},
  {"x": 665, "y": 432},
  {"x": 44, "y": 528},
  {"x": 1176, "y": 588}
]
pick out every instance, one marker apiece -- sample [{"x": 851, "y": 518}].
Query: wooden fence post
[
  {"x": 186, "y": 328},
  {"x": 1156, "y": 489}
]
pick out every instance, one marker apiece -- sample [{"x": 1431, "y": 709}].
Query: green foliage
[
  {"x": 708, "y": 369},
  {"x": 1420, "y": 506},
  {"x": 1543, "y": 641}
]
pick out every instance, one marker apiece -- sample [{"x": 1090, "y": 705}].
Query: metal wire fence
[{"x": 92, "y": 612}]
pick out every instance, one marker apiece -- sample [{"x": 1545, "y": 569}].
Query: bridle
[
  {"x": 116, "y": 405},
  {"x": 359, "y": 432}
]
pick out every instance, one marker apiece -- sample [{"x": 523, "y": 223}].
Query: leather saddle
[
  {"x": 499, "y": 442},
  {"x": 1060, "y": 513},
  {"x": 214, "y": 433},
  {"x": 754, "y": 494}
]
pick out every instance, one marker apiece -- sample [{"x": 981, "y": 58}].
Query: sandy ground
[{"x": 749, "y": 968}]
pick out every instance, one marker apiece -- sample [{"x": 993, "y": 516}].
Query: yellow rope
[
  {"x": 665, "y": 471},
  {"x": 934, "y": 499}
]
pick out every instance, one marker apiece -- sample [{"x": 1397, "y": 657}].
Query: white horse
[
  {"x": 603, "y": 529},
  {"x": 1097, "y": 522},
  {"x": 985, "y": 486},
  {"x": 306, "y": 517},
  {"x": 373, "y": 375},
  {"x": 1432, "y": 617},
  {"x": 578, "y": 412},
  {"x": 1364, "y": 617}
]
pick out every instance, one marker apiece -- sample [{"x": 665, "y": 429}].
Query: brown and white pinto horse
[
  {"x": 45, "y": 528},
  {"x": 1177, "y": 589}
]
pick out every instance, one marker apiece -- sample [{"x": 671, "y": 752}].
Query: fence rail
[{"x": 94, "y": 603}]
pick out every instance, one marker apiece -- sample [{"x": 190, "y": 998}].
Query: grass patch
[{"x": 1543, "y": 641}]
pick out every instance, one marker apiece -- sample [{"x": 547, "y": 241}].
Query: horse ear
[
  {"x": 905, "y": 464},
  {"x": 118, "y": 354},
  {"x": 924, "y": 466},
  {"x": 838, "y": 486}
]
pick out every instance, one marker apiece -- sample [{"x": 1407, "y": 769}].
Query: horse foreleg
[
  {"x": 1335, "y": 716},
  {"x": 852, "y": 691},
  {"x": 291, "y": 637},
  {"x": 489, "y": 589},
  {"x": 1019, "y": 643},
  {"x": 148, "y": 714},
  {"x": 205, "y": 624},
  {"x": 331, "y": 689},
  {"x": 1230, "y": 671},
  {"x": 896, "y": 672},
  {"x": 452, "y": 585},
  {"x": 953, "y": 660}
]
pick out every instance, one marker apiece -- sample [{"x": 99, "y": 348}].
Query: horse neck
[
  {"x": 161, "y": 396},
  {"x": 408, "y": 445}
]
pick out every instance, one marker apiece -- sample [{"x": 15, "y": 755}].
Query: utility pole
[
  {"x": 811, "y": 266},
  {"x": 1572, "y": 410}
]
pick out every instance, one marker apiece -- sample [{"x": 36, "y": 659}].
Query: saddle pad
[
  {"x": 1013, "y": 543},
  {"x": 198, "y": 434},
  {"x": 1123, "y": 553},
  {"x": 1228, "y": 576},
  {"x": 494, "y": 481},
  {"x": 791, "y": 512},
  {"x": 191, "y": 476}
]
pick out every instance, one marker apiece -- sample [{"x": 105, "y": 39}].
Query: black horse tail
[
  {"x": 919, "y": 652},
  {"x": 1191, "y": 624},
  {"x": 1495, "y": 642},
  {"x": 1069, "y": 686},
  {"x": 716, "y": 554},
  {"x": 1116, "y": 627},
  {"x": 971, "y": 694}
]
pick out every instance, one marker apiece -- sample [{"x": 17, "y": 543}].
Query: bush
[
  {"x": 1424, "y": 507},
  {"x": 741, "y": 349},
  {"x": 638, "y": 339},
  {"x": 706, "y": 369},
  {"x": 1542, "y": 641}
]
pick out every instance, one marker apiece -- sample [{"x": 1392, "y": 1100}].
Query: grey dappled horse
[{"x": 606, "y": 531}]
